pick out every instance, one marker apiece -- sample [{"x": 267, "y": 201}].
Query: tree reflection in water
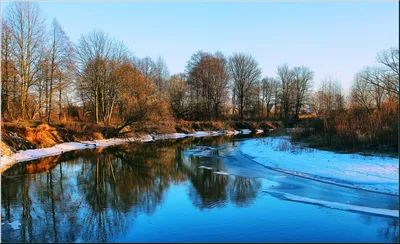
[
  {"x": 96, "y": 195},
  {"x": 211, "y": 190}
]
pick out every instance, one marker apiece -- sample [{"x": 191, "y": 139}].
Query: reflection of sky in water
[{"x": 155, "y": 193}]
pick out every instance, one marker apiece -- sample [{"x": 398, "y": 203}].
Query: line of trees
[
  {"x": 36, "y": 62},
  {"x": 369, "y": 115},
  {"x": 48, "y": 78}
]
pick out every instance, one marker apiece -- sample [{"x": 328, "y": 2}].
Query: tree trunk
[
  {"x": 46, "y": 92},
  {"x": 59, "y": 98},
  {"x": 96, "y": 105},
  {"x": 241, "y": 107},
  {"x": 53, "y": 64},
  {"x": 50, "y": 96}
]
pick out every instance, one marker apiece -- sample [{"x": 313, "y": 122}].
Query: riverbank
[
  {"x": 31, "y": 154},
  {"x": 24, "y": 135},
  {"x": 372, "y": 173}
]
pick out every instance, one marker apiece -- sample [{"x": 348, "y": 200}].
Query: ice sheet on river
[
  {"x": 202, "y": 151},
  {"x": 334, "y": 205},
  {"x": 205, "y": 167},
  {"x": 373, "y": 173},
  {"x": 220, "y": 172}
]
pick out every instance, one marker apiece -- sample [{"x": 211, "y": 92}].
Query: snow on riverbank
[
  {"x": 372, "y": 173},
  {"x": 31, "y": 154}
]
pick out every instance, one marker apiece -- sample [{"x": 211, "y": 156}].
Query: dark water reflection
[{"x": 103, "y": 195}]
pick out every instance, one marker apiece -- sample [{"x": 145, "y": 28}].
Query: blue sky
[{"x": 333, "y": 39}]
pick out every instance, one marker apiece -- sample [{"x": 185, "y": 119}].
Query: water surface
[{"x": 157, "y": 192}]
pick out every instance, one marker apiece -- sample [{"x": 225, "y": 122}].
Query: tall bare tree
[
  {"x": 101, "y": 65},
  {"x": 178, "y": 95},
  {"x": 60, "y": 62},
  {"x": 148, "y": 68},
  {"x": 285, "y": 77},
  {"x": 244, "y": 72},
  {"x": 93, "y": 51},
  {"x": 269, "y": 90},
  {"x": 8, "y": 71},
  {"x": 161, "y": 73},
  {"x": 329, "y": 99},
  {"x": 302, "y": 78},
  {"x": 208, "y": 82},
  {"x": 220, "y": 82},
  {"x": 27, "y": 28}
]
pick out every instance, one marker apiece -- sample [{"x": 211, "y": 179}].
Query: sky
[{"x": 335, "y": 39}]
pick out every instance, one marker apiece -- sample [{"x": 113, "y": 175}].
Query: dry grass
[{"x": 6, "y": 150}]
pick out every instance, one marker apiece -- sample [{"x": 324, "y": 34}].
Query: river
[{"x": 163, "y": 192}]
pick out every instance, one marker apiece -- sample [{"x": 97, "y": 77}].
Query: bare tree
[
  {"x": 390, "y": 59},
  {"x": 361, "y": 94},
  {"x": 329, "y": 99},
  {"x": 28, "y": 30},
  {"x": 366, "y": 92},
  {"x": 93, "y": 54},
  {"x": 253, "y": 103},
  {"x": 380, "y": 77},
  {"x": 60, "y": 59},
  {"x": 302, "y": 78},
  {"x": 220, "y": 83},
  {"x": 244, "y": 72},
  {"x": 197, "y": 84},
  {"x": 285, "y": 77},
  {"x": 161, "y": 73},
  {"x": 148, "y": 68},
  {"x": 178, "y": 95},
  {"x": 269, "y": 90},
  {"x": 208, "y": 83},
  {"x": 8, "y": 71}
]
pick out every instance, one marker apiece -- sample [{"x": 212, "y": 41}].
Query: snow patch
[{"x": 203, "y": 133}]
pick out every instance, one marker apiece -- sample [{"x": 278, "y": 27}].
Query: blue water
[{"x": 156, "y": 193}]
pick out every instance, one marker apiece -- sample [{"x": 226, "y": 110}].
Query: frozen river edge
[{"x": 370, "y": 173}]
